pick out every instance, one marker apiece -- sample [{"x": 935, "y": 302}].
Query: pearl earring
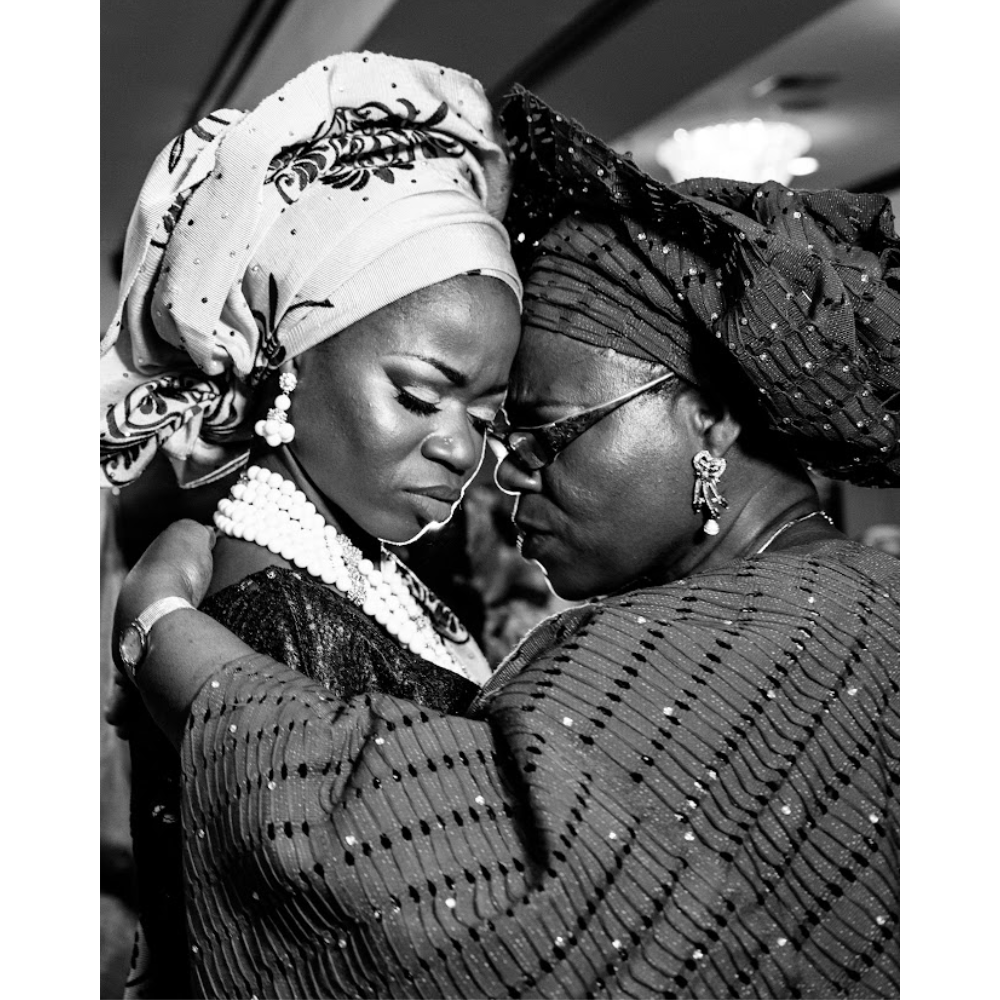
[
  {"x": 276, "y": 428},
  {"x": 708, "y": 471}
]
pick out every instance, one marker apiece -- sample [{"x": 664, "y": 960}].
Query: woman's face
[
  {"x": 389, "y": 414},
  {"x": 615, "y": 505}
]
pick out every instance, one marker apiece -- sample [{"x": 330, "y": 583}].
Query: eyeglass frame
[{"x": 556, "y": 435}]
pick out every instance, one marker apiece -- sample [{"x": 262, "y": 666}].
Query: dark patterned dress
[
  {"x": 685, "y": 791},
  {"x": 316, "y": 632}
]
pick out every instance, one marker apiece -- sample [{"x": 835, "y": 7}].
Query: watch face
[{"x": 132, "y": 645}]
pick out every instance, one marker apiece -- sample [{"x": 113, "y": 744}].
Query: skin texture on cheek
[
  {"x": 342, "y": 433},
  {"x": 615, "y": 505},
  {"x": 607, "y": 502}
]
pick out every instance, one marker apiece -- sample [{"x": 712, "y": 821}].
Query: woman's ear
[
  {"x": 713, "y": 423},
  {"x": 722, "y": 434}
]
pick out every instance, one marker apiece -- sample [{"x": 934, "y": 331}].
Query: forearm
[{"x": 186, "y": 647}]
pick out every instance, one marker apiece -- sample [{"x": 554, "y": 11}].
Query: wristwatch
[{"x": 133, "y": 643}]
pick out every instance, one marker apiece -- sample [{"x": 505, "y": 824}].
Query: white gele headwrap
[{"x": 258, "y": 235}]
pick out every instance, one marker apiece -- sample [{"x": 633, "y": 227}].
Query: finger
[
  {"x": 193, "y": 533},
  {"x": 189, "y": 530}
]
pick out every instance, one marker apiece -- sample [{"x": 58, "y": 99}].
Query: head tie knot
[{"x": 258, "y": 235}]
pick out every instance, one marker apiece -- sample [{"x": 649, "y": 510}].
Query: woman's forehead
[
  {"x": 553, "y": 369},
  {"x": 452, "y": 318}
]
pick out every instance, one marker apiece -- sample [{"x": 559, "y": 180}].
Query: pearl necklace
[
  {"x": 796, "y": 520},
  {"x": 267, "y": 509}
]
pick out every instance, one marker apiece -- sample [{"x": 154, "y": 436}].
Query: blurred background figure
[
  {"x": 801, "y": 91},
  {"x": 884, "y": 537}
]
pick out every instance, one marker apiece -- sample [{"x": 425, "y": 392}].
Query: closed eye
[{"x": 414, "y": 404}]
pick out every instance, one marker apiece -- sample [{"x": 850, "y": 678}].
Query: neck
[
  {"x": 266, "y": 509},
  {"x": 762, "y": 500},
  {"x": 235, "y": 559}
]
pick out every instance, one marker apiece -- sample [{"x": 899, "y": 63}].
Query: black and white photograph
[{"x": 500, "y": 499}]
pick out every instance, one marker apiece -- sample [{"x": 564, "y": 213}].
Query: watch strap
[
  {"x": 142, "y": 626},
  {"x": 158, "y": 609}
]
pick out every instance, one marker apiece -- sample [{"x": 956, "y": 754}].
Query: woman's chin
[
  {"x": 406, "y": 528},
  {"x": 565, "y": 586},
  {"x": 564, "y": 578}
]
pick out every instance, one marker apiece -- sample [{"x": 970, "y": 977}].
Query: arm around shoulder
[{"x": 184, "y": 647}]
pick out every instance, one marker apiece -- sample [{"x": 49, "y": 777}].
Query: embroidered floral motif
[
  {"x": 358, "y": 144},
  {"x": 153, "y": 411},
  {"x": 171, "y": 217},
  {"x": 270, "y": 351},
  {"x": 205, "y": 130}
]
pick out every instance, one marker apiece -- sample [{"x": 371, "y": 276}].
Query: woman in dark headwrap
[{"x": 687, "y": 786}]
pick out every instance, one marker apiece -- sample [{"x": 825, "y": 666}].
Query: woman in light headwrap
[
  {"x": 686, "y": 787},
  {"x": 328, "y": 271}
]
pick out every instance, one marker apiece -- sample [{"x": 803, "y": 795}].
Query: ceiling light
[
  {"x": 789, "y": 82},
  {"x": 753, "y": 151},
  {"x": 803, "y": 165}
]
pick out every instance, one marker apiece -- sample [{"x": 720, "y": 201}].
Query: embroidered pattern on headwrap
[
  {"x": 257, "y": 236},
  {"x": 347, "y": 153},
  {"x": 271, "y": 352},
  {"x": 202, "y": 130},
  {"x": 155, "y": 411}
]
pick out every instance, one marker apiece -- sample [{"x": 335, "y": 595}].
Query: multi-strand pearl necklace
[{"x": 267, "y": 509}]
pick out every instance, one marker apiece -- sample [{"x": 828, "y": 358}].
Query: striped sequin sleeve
[{"x": 693, "y": 791}]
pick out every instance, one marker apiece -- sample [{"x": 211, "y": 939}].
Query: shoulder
[
  {"x": 321, "y": 633},
  {"x": 831, "y": 581},
  {"x": 280, "y": 591},
  {"x": 842, "y": 559},
  {"x": 281, "y": 612},
  {"x": 272, "y": 581},
  {"x": 822, "y": 611}
]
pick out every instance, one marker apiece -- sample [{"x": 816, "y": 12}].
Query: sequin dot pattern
[{"x": 684, "y": 791}]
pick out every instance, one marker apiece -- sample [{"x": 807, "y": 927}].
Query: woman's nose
[
  {"x": 512, "y": 477},
  {"x": 457, "y": 447}
]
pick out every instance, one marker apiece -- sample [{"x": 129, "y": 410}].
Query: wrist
[
  {"x": 141, "y": 589},
  {"x": 133, "y": 640}
]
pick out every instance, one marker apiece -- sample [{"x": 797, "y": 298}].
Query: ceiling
[{"x": 631, "y": 70}]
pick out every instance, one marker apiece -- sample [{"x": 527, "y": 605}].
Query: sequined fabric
[
  {"x": 686, "y": 791},
  {"x": 798, "y": 290},
  {"x": 313, "y": 630}
]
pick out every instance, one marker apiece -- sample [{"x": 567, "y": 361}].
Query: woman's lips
[
  {"x": 446, "y": 494},
  {"x": 531, "y": 539},
  {"x": 437, "y": 501},
  {"x": 528, "y": 528}
]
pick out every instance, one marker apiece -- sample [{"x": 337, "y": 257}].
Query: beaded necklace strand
[{"x": 268, "y": 510}]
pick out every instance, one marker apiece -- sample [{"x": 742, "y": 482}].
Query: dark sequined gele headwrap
[{"x": 800, "y": 288}]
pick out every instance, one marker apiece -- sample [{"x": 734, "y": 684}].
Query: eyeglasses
[{"x": 535, "y": 447}]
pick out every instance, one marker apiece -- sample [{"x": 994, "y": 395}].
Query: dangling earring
[
  {"x": 708, "y": 471},
  {"x": 276, "y": 428}
]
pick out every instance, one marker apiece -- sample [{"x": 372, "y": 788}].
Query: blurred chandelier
[{"x": 753, "y": 151}]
